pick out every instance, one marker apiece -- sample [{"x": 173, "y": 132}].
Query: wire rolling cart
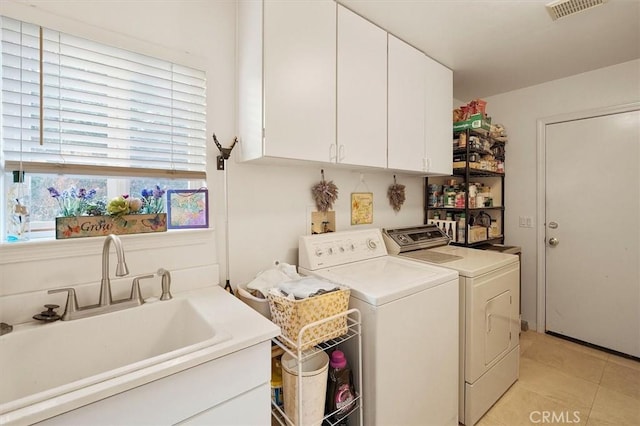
[{"x": 295, "y": 349}]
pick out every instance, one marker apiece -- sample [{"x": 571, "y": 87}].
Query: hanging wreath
[
  {"x": 324, "y": 194},
  {"x": 396, "y": 195}
]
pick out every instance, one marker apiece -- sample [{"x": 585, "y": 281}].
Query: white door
[
  {"x": 406, "y": 114},
  {"x": 592, "y": 230},
  {"x": 300, "y": 79},
  {"x": 362, "y": 91},
  {"x": 438, "y": 105}
]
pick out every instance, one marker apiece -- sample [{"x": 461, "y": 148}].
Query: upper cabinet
[
  {"x": 316, "y": 82},
  {"x": 362, "y": 91},
  {"x": 438, "y": 107},
  {"x": 406, "y": 116},
  {"x": 287, "y": 79},
  {"x": 420, "y": 103}
]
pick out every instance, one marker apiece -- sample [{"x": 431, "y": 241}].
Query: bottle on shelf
[
  {"x": 462, "y": 228},
  {"x": 276, "y": 381},
  {"x": 450, "y": 231},
  {"x": 18, "y": 204},
  {"x": 341, "y": 393}
]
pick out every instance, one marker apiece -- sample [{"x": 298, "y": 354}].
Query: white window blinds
[{"x": 97, "y": 109}]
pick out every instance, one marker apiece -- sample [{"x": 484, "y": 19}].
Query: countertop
[{"x": 225, "y": 312}]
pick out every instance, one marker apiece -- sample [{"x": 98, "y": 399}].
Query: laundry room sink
[{"x": 41, "y": 361}]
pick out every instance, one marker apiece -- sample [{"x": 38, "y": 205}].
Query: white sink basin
[{"x": 42, "y": 361}]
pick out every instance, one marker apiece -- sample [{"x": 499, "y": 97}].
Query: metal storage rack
[
  {"x": 354, "y": 331},
  {"x": 470, "y": 174}
]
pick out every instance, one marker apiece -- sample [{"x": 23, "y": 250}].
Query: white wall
[
  {"x": 268, "y": 206},
  {"x": 518, "y": 111}
]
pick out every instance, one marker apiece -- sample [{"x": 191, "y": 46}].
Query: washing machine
[
  {"x": 489, "y": 312},
  {"x": 409, "y": 313}
]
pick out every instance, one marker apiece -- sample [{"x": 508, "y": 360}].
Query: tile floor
[{"x": 562, "y": 382}]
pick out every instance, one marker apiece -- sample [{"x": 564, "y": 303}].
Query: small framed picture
[
  {"x": 187, "y": 208},
  {"x": 361, "y": 208}
]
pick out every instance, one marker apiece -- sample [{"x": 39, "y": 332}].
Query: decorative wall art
[
  {"x": 187, "y": 208},
  {"x": 324, "y": 194},
  {"x": 361, "y": 208},
  {"x": 396, "y": 194}
]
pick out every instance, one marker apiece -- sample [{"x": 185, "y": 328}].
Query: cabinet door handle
[
  {"x": 426, "y": 164},
  {"x": 332, "y": 152},
  {"x": 341, "y": 153}
]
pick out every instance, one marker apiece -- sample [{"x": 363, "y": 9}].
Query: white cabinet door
[
  {"x": 362, "y": 91},
  {"x": 406, "y": 107},
  {"x": 300, "y": 79},
  {"x": 438, "y": 122}
]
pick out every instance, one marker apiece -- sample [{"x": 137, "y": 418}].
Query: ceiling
[{"x": 496, "y": 46}]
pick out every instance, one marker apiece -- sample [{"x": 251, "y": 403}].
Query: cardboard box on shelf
[
  {"x": 477, "y": 233},
  {"x": 475, "y": 122}
]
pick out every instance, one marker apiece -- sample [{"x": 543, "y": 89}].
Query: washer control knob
[
  {"x": 330, "y": 250},
  {"x": 318, "y": 252},
  {"x": 372, "y": 244}
]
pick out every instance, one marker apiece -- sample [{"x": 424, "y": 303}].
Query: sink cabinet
[{"x": 231, "y": 390}]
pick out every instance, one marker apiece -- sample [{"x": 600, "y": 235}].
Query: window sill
[{"x": 40, "y": 249}]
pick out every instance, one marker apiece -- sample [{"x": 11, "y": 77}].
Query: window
[{"x": 77, "y": 112}]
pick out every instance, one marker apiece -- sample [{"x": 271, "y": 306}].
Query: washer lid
[{"x": 388, "y": 278}]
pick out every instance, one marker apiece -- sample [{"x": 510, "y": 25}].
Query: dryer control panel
[{"x": 339, "y": 248}]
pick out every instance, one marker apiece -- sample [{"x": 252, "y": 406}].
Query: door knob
[{"x": 553, "y": 241}]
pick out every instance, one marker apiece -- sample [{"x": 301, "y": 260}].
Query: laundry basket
[{"x": 293, "y": 315}]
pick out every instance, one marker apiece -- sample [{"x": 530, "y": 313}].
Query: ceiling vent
[{"x": 561, "y": 8}]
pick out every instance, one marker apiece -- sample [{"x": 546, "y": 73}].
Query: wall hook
[{"x": 225, "y": 153}]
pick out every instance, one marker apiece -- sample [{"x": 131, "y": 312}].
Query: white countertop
[{"x": 224, "y": 311}]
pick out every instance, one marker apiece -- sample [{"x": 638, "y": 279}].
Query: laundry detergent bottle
[{"x": 340, "y": 390}]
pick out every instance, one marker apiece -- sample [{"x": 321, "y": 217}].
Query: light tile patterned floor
[{"x": 562, "y": 382}]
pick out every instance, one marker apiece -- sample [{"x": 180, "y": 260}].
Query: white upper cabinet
[
  {"x": 316, "y": 82},
  {"x": 287, "y": 79},
  {"x": 406, "y": 115},
  {"x": 362, "y": 91},
  {"x": 438, "y": 122}
]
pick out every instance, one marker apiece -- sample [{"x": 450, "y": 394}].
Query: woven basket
[{"x": 292, "y": 315}]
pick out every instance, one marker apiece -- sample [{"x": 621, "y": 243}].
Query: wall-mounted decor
[
  {"x": 396, "y": 194},
  {"x": 322, "y": 222},
  {"x": 361, "y": 208},
  {"x": 99, "y": 226},
  {"x": 187, "y": 208},
  {"x": 324, "y": 194}
]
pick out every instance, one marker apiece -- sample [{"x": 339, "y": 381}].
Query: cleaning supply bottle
[
  {"x": 276, "y": 381},
  {"x": 341, "y": 393}
]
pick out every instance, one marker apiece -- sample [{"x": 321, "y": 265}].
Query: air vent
[{"x": 561, "y": 8}]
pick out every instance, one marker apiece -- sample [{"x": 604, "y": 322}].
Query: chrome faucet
[
  {"x": 121, "y": 268},
  {"x": 105, "y": 304}
]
